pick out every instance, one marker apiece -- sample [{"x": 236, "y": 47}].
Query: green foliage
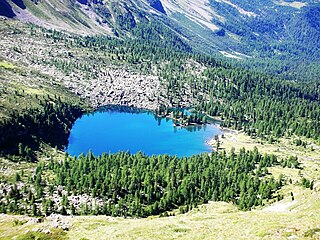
[
  {"x": 290, "y": 162},
  {"x": 181, "y": 117},
  {"x": 138, "y": 186},
  {"x": 123, "y": 17},
  {"x": 50, "y": 125},
  {"x": 56, "y": 234},
  {"x": 261, "y": 105},
  {"x": 143, "y": 186},
  {"x": 7, "y": 65},
  {"x": 120, "y": 180},
  {"x": 281, "y": 40},
  {"x": 18, "y": 222},
  {"x": 307, "y": 183},
  {"x": 311, "y": 233}
]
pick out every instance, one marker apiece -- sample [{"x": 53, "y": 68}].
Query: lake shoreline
[
  {"x": 227, "y": 135},
  {"x": 213, "y": 120},
  {"x": 111, "y": 130}
]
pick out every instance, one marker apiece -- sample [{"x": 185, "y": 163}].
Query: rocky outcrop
[{"x": 119, "y": 87}]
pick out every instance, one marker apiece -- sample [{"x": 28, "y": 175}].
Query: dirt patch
[{"x": 280, "y": 207}]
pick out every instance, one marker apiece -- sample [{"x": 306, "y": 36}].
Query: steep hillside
[
  {"x": 283, "y": 31},
  {"x": 66, "y": 15},
  {"x": 275, "y": 36}
]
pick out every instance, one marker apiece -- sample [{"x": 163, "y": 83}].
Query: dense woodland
[
  {"x": 126, "y": 184},
  {"x": 23, "y": 132},
  {"x": 263, "y": 106}
]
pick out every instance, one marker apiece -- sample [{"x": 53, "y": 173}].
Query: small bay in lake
[{"x": 131, "y": 130}]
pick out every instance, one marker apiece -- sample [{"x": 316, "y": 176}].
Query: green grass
[
  {"x": 16, "y": 96},
  {"x": 6, "y": 65},
  {"x": 312, "y": 232},
  {"x": 216, "y": 220},
  {"x": 56, "y": 234},
  {"x": 9, "y": 170},
  {"x": 36, "y": 10}
]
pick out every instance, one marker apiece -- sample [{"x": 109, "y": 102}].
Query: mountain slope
[
  {"x": 216, "y": 22},
  {"x": 279, "y": 37}
]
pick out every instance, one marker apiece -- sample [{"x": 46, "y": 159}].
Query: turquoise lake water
[{"x": 113, "y": 131}]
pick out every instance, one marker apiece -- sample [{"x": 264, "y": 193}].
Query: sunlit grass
[{"x": 6, "y": 65}]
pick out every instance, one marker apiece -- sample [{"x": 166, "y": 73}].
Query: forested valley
[{"x": 262, "y": 105}]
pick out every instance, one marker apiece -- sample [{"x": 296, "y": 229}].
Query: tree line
[
  {"x": 137, "y": 185},
  {"x": 50, "y": 123}
]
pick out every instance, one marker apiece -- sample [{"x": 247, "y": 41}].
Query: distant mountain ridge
[{"x": 270, "y": 30}]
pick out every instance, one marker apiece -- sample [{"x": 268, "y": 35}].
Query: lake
[{"x": 126, "y": 129}]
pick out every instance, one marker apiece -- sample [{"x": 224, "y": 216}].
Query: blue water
[{"x": 113, "y": 131}]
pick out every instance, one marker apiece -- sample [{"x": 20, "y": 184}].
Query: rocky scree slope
[{"x": 100, "y": 76}]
